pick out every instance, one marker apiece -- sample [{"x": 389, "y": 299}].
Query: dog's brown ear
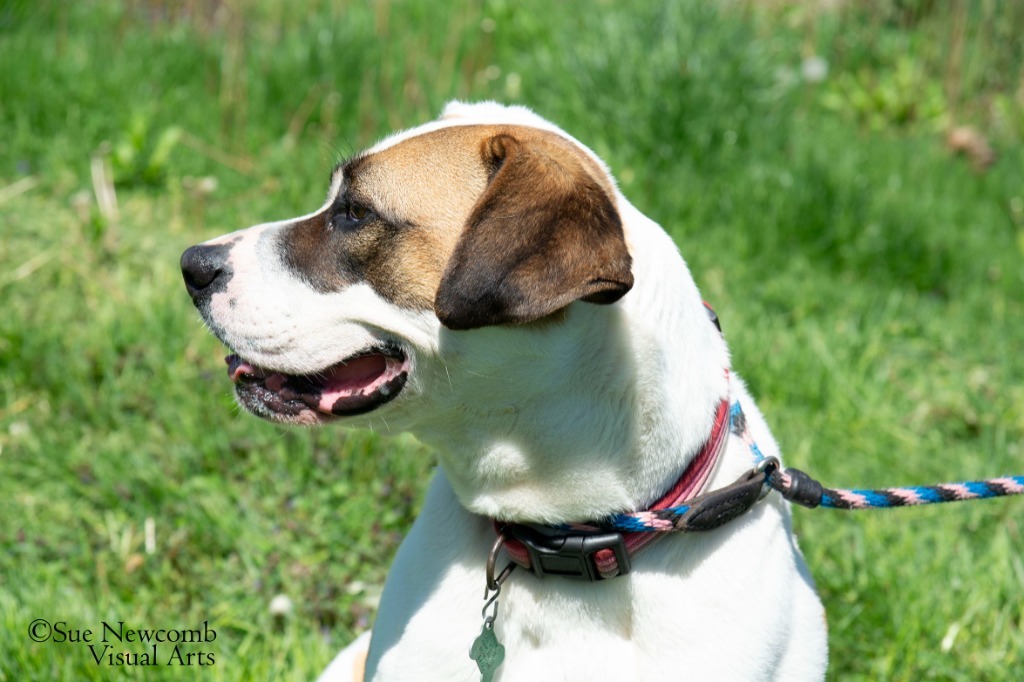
[{"x": 544, "y": 233}]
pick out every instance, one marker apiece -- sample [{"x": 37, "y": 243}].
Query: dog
[{"x": 481, "y": 282}]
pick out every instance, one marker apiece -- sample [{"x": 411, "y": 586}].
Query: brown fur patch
[
  {"x": 509, "y": 218},
  {"x": 544, "y": 233}
]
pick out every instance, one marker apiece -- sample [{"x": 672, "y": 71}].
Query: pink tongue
[
  {"x": 359, "y": 376},
  {"x": 353, "y": 379},
  {"x": 355, "y": 374},
  {"x": 238, "y": 368},
  {"x": 344, "y": 378}
]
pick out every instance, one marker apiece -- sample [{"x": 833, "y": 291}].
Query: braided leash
[
  {"x": 719, "y": 506},
  {"x": 793, "y": 483},
  {"x": 797, "y": 486}
]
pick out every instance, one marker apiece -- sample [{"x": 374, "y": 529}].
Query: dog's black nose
[{"x": 205, "y": 269}]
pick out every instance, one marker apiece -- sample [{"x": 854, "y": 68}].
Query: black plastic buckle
[{"x": 569, "y": 555}]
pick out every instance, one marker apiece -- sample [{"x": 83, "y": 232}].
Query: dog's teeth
[{"x": 384, "y": 390}]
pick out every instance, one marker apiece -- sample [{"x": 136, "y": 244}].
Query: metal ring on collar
[{"x": 494, "y": 583}]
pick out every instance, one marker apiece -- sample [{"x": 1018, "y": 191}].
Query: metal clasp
[{"x": 766, "y": 466}]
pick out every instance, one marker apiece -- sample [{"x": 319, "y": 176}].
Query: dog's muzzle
[{"x": 357, "y": 384}]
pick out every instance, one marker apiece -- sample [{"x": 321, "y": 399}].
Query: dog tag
[{"x": 488, "y": 652}]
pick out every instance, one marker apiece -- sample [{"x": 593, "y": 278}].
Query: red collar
[{"x": 582, "y": 551}]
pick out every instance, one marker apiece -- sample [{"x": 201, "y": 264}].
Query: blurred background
[{"x": 845, "y": 179}]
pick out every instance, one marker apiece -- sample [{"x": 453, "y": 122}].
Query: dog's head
[{"x": 487, "y": 217}]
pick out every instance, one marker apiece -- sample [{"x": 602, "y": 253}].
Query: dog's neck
[{"x": 571, "y": 419}]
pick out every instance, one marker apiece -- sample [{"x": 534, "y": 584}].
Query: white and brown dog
[{"x": 480, "y": 282}]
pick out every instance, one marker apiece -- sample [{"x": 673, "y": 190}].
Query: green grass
[{"x": 869, "y": 282}]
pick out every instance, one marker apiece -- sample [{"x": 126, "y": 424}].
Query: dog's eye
[
  {"x": 349, "y": 216},
  {"x": 356, "y": 213}
]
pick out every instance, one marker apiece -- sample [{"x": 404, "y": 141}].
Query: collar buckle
[{"x": 571, "y": 555}]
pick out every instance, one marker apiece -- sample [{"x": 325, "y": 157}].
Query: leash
[
  {"x": 715, "y": 508},
  {"x": 798, "y": 487}
]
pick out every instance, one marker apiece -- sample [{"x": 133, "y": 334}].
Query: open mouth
[{"x": 358, "y": 384}]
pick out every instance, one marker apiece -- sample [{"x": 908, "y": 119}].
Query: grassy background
[{"x": 869, "y": 280}]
